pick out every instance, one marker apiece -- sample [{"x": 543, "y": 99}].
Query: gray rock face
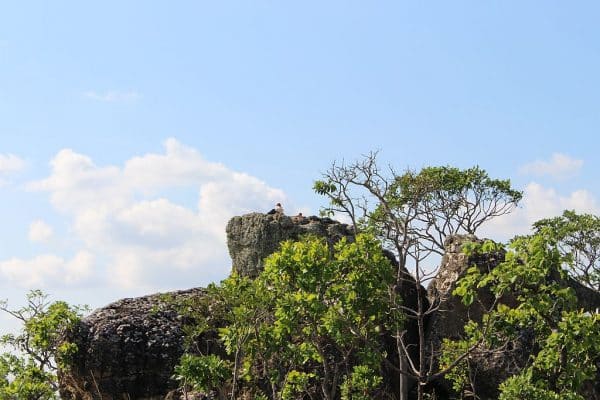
[
  {"x": 452, "y": 315},
  {"x": 449, "y": 320},
  {"x": 252, "y": 237},
  {"x": 127, "y": 349}
]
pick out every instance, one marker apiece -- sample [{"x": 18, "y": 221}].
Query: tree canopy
[{"x": 312, "y": 323}]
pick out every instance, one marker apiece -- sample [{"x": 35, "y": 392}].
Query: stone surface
[
  {"x": 252, "y": 237},
  {"x": 451, "y": 316},
  {"x": 490, "y": 369},
  {"x": 128, "y": 349}
]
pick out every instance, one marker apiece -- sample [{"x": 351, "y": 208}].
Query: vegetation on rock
[
  {"x": 412, "y": 213},
  {"x": 311, "y": 324},
  {"x": 562, "y": 339},
  {"x": 353, "y": 319}
]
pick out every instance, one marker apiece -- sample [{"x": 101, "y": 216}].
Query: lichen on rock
[{"x": 253, "y": 237}]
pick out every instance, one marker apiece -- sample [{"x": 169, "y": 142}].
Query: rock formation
[
  {"x": 128, "y": 349},
  {"x": 451, "y": 316},
  {"x": 253, "y": 237}
]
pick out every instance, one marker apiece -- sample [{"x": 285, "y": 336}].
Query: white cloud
[
  {"x": 113, "y": 96},
  {"x": 179, "y": 166},
  {"x": 48, "y": 270},
  {"x": 77, "y": 184},
  {"x": 240, "y": 192},
  {"x": 560, "y": 167},
  {"x": 147, "y": 240},
  {"x": 539, "y": 202},
  {"x": 39, "y": 231},
  {"x": 9, "y": 164}
]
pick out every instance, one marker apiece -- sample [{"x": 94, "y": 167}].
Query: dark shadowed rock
[
  {"x": 127, "y": 349},
  {"x": 451, "y": 316},
  {"x": 489, "y": 368}
]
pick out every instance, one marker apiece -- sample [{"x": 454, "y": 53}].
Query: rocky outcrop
[
  {"x": 127, "y": 350},
  {"x": 448, "y": 321},
  {"x": 452, "y": 315},
  {"x": 489, "y": 368},
  {"x": 252, "y": 237}
]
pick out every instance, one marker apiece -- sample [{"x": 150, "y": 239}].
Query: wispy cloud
[
  {"x": 560, "y": 166},
  {"x": 539, "y": 202},
  {"x": 39, "y": 231},
  {"x": 9, "y": 164},
  {"x": 113, "y": 96}
]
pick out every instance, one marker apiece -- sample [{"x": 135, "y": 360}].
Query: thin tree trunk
[
  {"x": 403, "y": 380},
  {"x": 420, "y": 322},
  {"x": 235, "y": 372}
]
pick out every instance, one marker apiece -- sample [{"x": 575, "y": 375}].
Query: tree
[
  {"x": 578, "y": 238},
  {"x": 412, "y": 213},
  {"x": 204, "y": 373},
  {"x": 411, "y": 207},
  {"x": 563, "y": 345},
  {"x": 28, "y": 371},
  {"x": 311, "y": 324}
]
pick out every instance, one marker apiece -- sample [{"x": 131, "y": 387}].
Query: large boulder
[{"x": 127, "y": 350}]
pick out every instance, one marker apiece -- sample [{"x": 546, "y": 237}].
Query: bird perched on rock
[
  {"x": 278, "y": 210},
  {"x": 298, "y": 218}
]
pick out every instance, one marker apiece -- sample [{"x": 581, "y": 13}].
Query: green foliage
[
  {"x": 296, "y": 385},
  {"x": 21, "y": 379},
  {"x": 203, "y": 373},
  {"x": 566, "y": 340},
  {"x": 578, "y": 237},
  {"x": 307, "y": 319},
  {"x": 29, "y": 370},
  {"x": 522, "y": 387},
  {"x": 362, "y": 384},
  {"x": 415, "y": 209},
  {"x": 327, "y": 307},
  {"x": 460, "y": 375},
  {"x": 447, "y": 185}
]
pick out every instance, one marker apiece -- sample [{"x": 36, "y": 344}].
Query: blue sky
[{"x": 131, "y": 131}]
